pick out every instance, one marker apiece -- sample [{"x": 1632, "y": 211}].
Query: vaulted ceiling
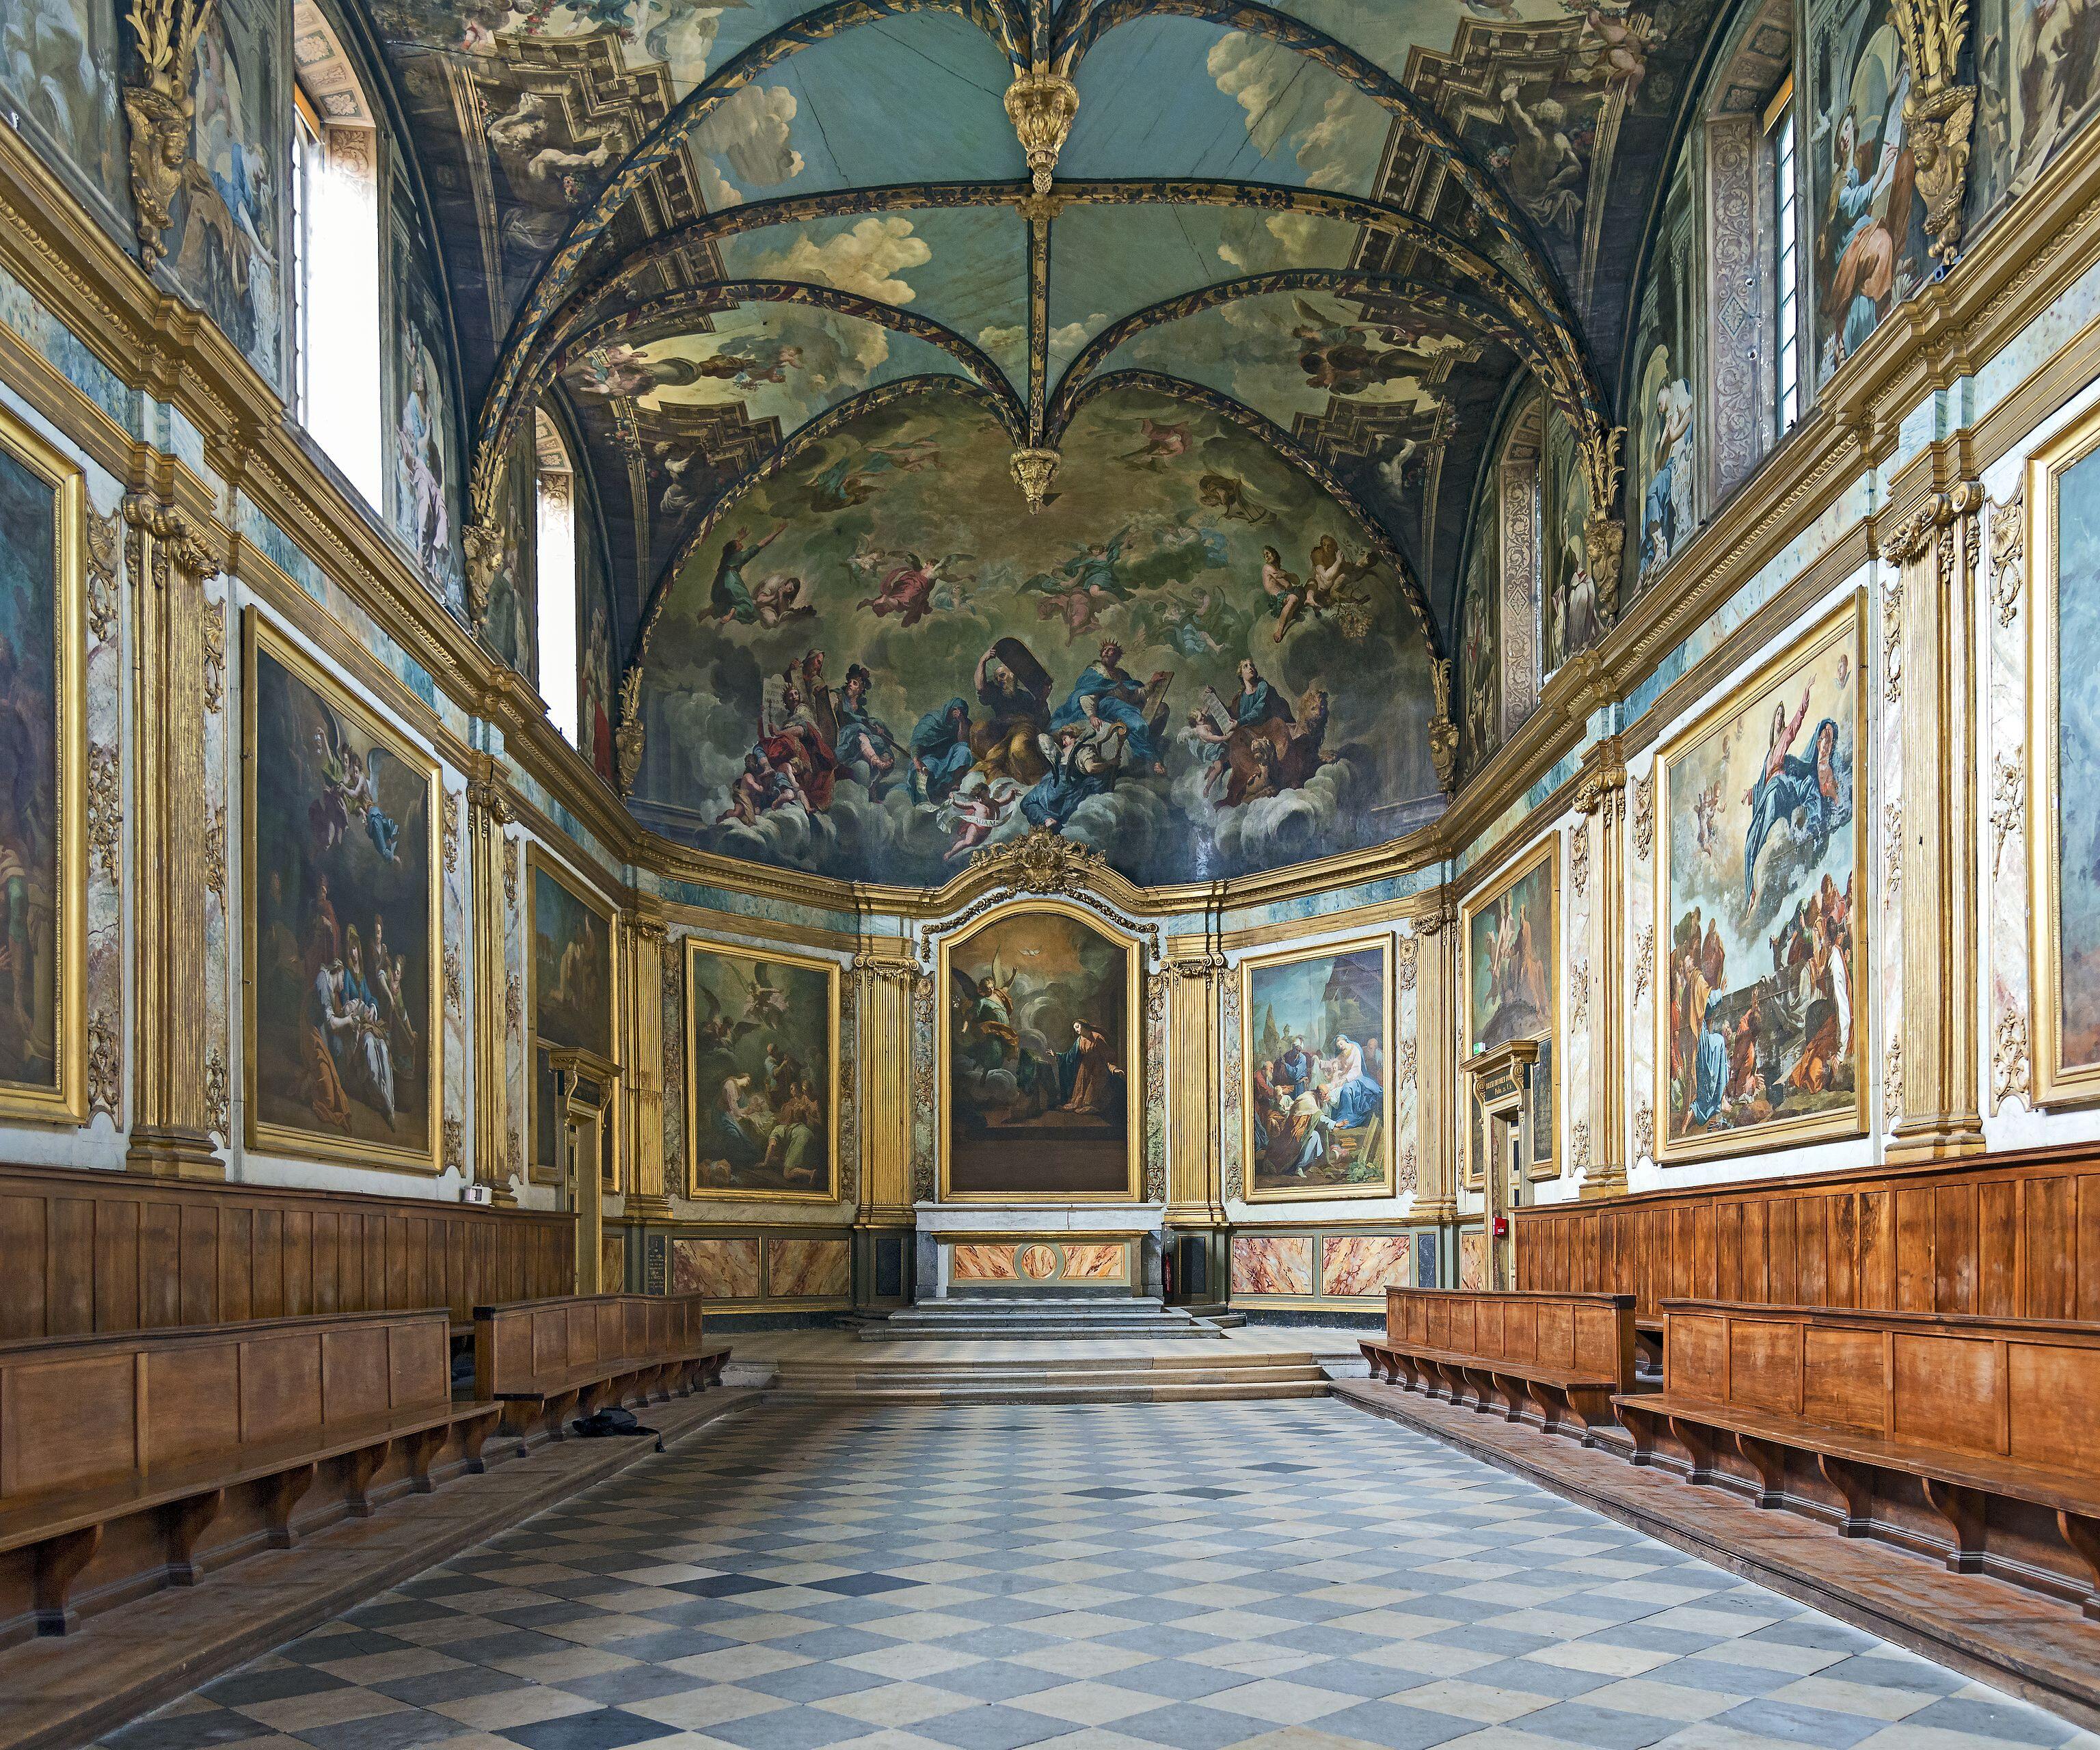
[{"x": 713, "y": 231}]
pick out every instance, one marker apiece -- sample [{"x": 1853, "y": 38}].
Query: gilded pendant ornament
[
  {"x": 2009, "y": 806},
  {"x": 1578, "y": 858},
  {"x": 455, "y": 1155},
  {"x": 1578, "y": 1145},
  {"x": 1410, "y": 1059},
  {"x": 105, "y": 1067},
  {"x": 1645, "y": 1132},
  {"x": 1892, "y": 596},
  {"x": 1410, "y": 1171},
  {"x": 1938, "y": 113},
  {"x": 1578, "y": 995},
  {"x": 1643, "y": 955},
  {"x": 450, "y": 802},
  {"x": 1041, "y": 105},
  {"x": 2009, "y": 546},
  {"x": 105, "y": 543},
  {"x": 218, "y": 1095},
  {"x": 455, "y": 973},
  {"x": 1033, "y": 472},
  {"x": 1410, "y": 956},
  {"x": 215, "y": 657},
  {"x": 2009, "y": 1060},
  {"x": 158, "y": 103},
  {"x": 214, "y": 854},
  {"x": 627, "y": 740},
  {"x": 481, "y": 544},
  {"x": 1892, "y": 849},
  {"x": 1045, "y": 862},
  {"x": 1892, "y": 1084},
  {"x": 1644, "y": 818},
  {"x": 1443, "y": 732},
  {"x": 105, "y": 811}
]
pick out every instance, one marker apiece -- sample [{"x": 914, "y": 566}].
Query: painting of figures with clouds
[
  {"x": 573, "y": 994},
  {"x": 1759, "y": 945},
  {"x": 761, "y": 1057},
  {"x": 1042, "y": 1074},
  {"x": 341, "y": 924},
  {"x": 1317, "y": 1097},
  {"x": 1190, "y": 658}
]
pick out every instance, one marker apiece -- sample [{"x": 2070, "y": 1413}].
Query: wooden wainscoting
[
  {"x": 2014, "y": 1236},
  {"x": 91, "y": 1251}
]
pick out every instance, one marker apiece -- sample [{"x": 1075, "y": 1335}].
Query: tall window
[
  {"x": 1787, "y": 401},
  {"x": 555, "y": 569},
  {"x": 335, "y": 241}
]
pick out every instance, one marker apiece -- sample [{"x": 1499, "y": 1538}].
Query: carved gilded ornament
[
  {"x": 1892, "y": 849},
  {"x": 1643, "y": 958},
  {"x": 1939, "y": 113},
  {"x": 481, "y": 545},
  {"x": 158, "y": 103},
  {"x": 1443, "y": 731},
  {"x": 1409, "y": 1063},
  {"x": 1046, "y": 862},
  {"x": 1041, "y": 104},
  {"x": 627, "y": 740},
  {"x": 449, "y": 804},
  {"x": 1603, "y": 535},
  {"x": 214, "y": 854},
  {"x": 1410, "y": 1171},
  {"x": 2009, "y": 1060},
  {"x": 1645, "y": 1132},
  {"x": 513, "y": 1006},
  {"x": 455, "y": 1154},
  {"x": 1034, "y": 470},
  {"x": 1410, "y": 956},
  {"x": 1892, "y": 1083},
  {"x": 1578, "y": 859},
  {"x": 105, "y": 812},
  {"x": 1579, "y": 993},
  {"x": 218, "y": 1095},
  {"x": 512, "y": 856},
  {"x": 215, "y": 657},
  {"x": 105, "y": 1065},
  {"x": 1578, "y": 1145},
  {"x": 178, "y": 542},
  {"x": 2009, "y": 806},
  {"x": 1644, "y": 818},
  {"x": 105, "y": 543},
  {"x": 455, "y": 977},
  {"x": 2009, "y": 547},
  {"x": 1892, "y": 595}
]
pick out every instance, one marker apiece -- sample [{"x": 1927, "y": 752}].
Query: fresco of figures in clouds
[
  {"x": 874, "y": 667},
  {"x": 1759, "y": 833},
  {"x": 762, "y": 1058}
]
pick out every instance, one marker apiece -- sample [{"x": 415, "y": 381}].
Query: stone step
[
  {"x": 1131, "y": 1389},
  {"x": 1040, "y": 1331},
  {"x": 990, "y": 1319},
  {"x": 800, "y": 1378},
  {"x": 1210, "y": 1360}
]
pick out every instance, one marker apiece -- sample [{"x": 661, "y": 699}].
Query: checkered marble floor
[{"x": 1290, "y": 1576}]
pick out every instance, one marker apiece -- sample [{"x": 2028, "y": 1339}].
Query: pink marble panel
[
  {"x": 1102, "y": 1262},
  {"x": 982, "y": 1264},
  {"x": 809, "y": 1269},
  {"x": 1272, "y": 1264},
  {"x": 727, "y": 1269},
  {"x": 1363, "y": 1263}
]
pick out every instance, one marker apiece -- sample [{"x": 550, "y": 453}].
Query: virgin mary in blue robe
[
  {"x": 1794, "y": 788},
  {"x": 941, "y": 747}
]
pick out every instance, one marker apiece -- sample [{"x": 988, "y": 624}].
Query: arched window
[
  {"x": 1787, "y": 260},
  {"x": 556, "y": 572},
  {"x": 335, "y": 243}
]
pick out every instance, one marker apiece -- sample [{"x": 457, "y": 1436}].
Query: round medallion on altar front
[{"x": 1038, "y": 1262}]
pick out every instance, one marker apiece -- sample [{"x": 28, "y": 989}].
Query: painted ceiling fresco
[{"x": 743, "y": 242}]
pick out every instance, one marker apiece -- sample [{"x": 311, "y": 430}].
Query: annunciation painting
[
  {"x": 1317, "y": 1098},
  {"x": 1039, "y": 1058},
  {"x": 571, "y": 996},
  {"x": 2064, "y": 486},
  {"x": 1509, "y": 933},
  {"x": 43, "y": 870},
  {"x": 1759, "y": 938},
  {"x": 762, "y": 1055},
  {"x": 342, "y": 931}
]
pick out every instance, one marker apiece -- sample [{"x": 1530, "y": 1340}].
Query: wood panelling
[
  {"x": 91, "y": 1252},
  {"x": 546, "y": 1359},
  {"x": 2017, "y": 1238}
]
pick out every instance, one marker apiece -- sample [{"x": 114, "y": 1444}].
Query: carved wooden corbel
[
  {"x": 159, "y": 106},
  {"x": 627, "y": 740}
]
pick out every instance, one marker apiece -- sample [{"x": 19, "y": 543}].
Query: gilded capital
[
  {"x": 1041, "y": 105},
  {"x": 1033, "y": 472}
]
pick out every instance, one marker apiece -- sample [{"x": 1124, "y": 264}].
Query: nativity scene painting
[
  {"x": 341, "y": 925},
  {"x": 1318, "y": 1094},
  {"x": 1761, "y": 930},
  {"x": 1039, "y": 1060},
  {"x": 1191, "y": 659},
  {"x": 763, "y": 1067}
]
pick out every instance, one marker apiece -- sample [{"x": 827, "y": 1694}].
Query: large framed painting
[
  {"x": 1317, "y": 1099},
  {"x": 761, "y": 1074},
  {"x": 570, "y": 994},
  {"x": 2063, "y": 492},
  {"x": 1511, "y": 932},
  {"x": 341, "y": 932},
  {"x": 1040, "y": 1059},
  {"x": 43, "y": 757},
  {"x": 1759, "y": 935}
]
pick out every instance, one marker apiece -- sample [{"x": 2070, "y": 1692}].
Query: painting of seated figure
[{"x": 762, "y": 1051}]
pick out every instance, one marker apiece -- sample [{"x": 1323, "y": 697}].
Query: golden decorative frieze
[
  {"x": 1041, "y": 104},
  {"x": 159, "y": 105},
  {"x": 1034, "y": 470},
  {"x": 2009, "y": 547}
]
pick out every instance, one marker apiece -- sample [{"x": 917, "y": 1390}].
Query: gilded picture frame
[
  {"x": 2060, "y": 1077},
  {"x": 1132, "y": 1017},
  {"x": 1843, "y": 625},
  {"x": 540, "y": 862},
  {"x": 1249, "y": 969},
  {"x": 62, "y": 1100},
  {"x": 697, "y": 949},
  {"x": 261, "y": 640},
  {"x": 1544, "y": 858}
]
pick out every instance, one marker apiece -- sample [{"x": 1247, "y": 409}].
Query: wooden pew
[
  {"x": 2010, "y": 1236},
  {"x": 135, "y": 1461},
  {"x": 1551, "y": 1359},
  {"x": 1974, "y": 1439},
  {"x": 546, "y": 1359}
]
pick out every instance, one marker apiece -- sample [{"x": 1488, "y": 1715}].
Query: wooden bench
[
  {"x": 1974, "y": 1439},
  {"x": 546, "y": 1359},
  {"x": 1551, "y": 1359},
  {"x": 121, "y": 1455}
]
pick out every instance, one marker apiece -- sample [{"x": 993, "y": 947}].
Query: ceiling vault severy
[{"x": 1267, "y": 273}]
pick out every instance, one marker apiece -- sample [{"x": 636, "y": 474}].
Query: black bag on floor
[{"x": 613, "y": 1420}]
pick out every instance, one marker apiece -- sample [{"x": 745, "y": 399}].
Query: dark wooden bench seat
[
  {"x": 544, "y": 1360},
  {"x": 121, "y": 1455},
  {"x": 1968, "y": 1438},
  {"x": 1556, "y": 1360}
]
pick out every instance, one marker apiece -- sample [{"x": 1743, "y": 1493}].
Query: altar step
[
  {"x": 987, "y": 1319},
  {"x": 1102, "y": 1379}
]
